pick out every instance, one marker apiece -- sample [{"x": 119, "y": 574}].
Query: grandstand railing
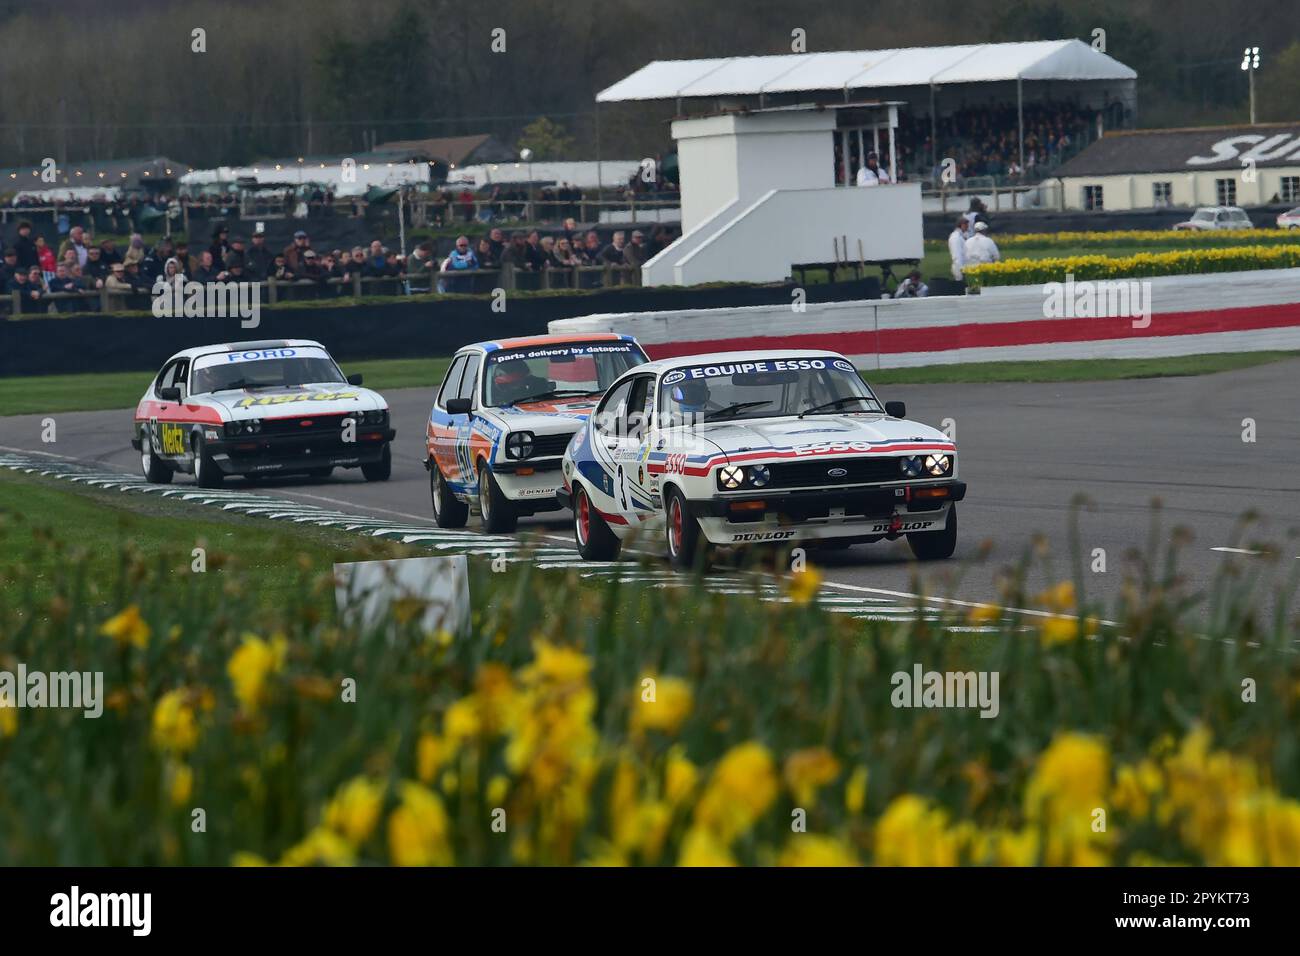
[
  {"x": 422, "y": 209},
  {"x": 465, "y": 282}
]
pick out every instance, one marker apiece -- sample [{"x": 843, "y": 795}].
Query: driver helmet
[
  {"x": 511, "y": 372},
  {"x": 691, "y": 395}
]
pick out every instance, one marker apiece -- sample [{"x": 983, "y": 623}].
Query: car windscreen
[
  {"x": 729, "y": 391},
  {"x": 264, "y": 368},
  {"x": 571, "y": 369}
]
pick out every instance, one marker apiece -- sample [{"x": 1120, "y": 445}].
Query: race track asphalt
[{"x": 1027, "y": 451}]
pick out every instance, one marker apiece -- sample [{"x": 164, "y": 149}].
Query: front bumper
[
  {"x": 531, "y": 485},
  {"x": 864, "y": 513},
  {"x": 260, "y": 454}
]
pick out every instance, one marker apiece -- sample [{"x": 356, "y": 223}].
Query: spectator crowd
[
  {"x": 984, "y": 140},
  {"x": 33, "y": 269}
]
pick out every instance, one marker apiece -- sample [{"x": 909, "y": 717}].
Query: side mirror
[
  {"x": 458, "y": 406},
  {"x": 171, "y": 393},
  {"x": 354, "y": 379},
  {"x": 896, "y": 409}
]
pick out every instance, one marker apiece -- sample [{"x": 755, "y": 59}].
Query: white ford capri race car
[
  {"x": 747, "y": 448},
  {"x": 259, "y": 408},
  {"x": 503, "y": 417}
]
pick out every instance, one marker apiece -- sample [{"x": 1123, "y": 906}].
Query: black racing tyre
[
  {"x": 596, "y": 542},
  {"x": 155, "y": 470},
  {"x": 935, "y": 545},
  {"x": 382, "y": 469},
  {"x": 499, "y": 515},
  {"x": 448, "y": 511},
  {"x": 686, "y": 543},
  {"x": 206, "y": 472}
]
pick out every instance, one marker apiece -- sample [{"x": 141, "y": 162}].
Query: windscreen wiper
[
  {"x": 553, "y": 393},
  {"x": 243, "y": 383},
  {"x": 733, "y": 408},
  {"x": 834, "y": 403}
]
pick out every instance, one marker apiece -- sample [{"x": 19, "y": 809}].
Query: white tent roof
[{"x": 866, "y": 69}]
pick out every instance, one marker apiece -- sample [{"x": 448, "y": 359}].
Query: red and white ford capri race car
[
  {"x": 258, "y": 408},
  {"x": 502, "y": 419},
  {"x": 747, "y": 448}
]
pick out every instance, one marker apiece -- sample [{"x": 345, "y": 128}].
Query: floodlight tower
[{"x": 1250, "y": 63}]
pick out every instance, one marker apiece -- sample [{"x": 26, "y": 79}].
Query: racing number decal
[
  {"x": 462, "y": 450},
  {"x": 622, "y": 490}
]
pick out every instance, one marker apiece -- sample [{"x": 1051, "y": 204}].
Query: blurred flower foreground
[{"x": 608, "y": 723}]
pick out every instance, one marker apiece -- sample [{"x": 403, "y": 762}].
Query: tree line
[{"x": 228, "y": 83}]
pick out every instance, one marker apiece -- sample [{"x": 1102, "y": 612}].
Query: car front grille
[
  {"x": 305, "y": 425},
  {"x": 548, "y": 446},
  {"x": 817, "y": 474}
]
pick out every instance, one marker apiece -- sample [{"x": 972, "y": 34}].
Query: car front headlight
[
  {"x": 519, "y": 444},
  {"x": 938, "y": 465},
  {"x": 731, "y": 477},
  {"x": 376, "y": 416},
  {"x": 759, "y": 475},
  {"x": 910, "y": 466},
  {"x": 249, "y": 426}
]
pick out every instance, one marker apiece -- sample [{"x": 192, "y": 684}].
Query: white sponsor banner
[{"x": 366, "y": 592}]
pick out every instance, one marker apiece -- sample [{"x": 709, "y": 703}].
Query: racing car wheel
[
  {"x": 595, "y": 541},
  {"x": 686, "y": 544},
  {"x": 935, "y": 545},
  {"x": 499, "y": 516},
  {"x": 448, "y": 510},
  {"x": 206, "y": 472},
  {"x": 379, "y": 470},
  {"x": 155, "y": 472}
]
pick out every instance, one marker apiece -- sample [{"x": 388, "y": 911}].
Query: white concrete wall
[
  {"x": 1223, "y": 312},
  {"x": 711, "y": 181},
  {"x": 741, "y": 157},
  {"x": 799, "y": 226},
  {"x": 661, "y": 270},
  {"x": 758, "y": 197}
]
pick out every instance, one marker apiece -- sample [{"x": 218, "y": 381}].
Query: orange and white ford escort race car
[{"x": 503, "y": 416}]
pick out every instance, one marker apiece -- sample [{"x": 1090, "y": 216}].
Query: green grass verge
[
  {"x": 102, "y": 528},
  {"x": 609, "y": 721},
  {"x": 49, "y": 394}
]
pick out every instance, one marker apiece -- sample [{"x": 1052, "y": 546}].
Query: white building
[
  {"x": 759, "y": 197},
  {"x": 769, "y": 147},
  {"x": 1209, "y": 166}
]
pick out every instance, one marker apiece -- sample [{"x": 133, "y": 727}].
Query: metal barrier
[{"x": 464, "y": 282}]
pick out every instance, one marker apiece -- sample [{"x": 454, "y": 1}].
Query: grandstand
[{"x": 996, "y": 108}]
